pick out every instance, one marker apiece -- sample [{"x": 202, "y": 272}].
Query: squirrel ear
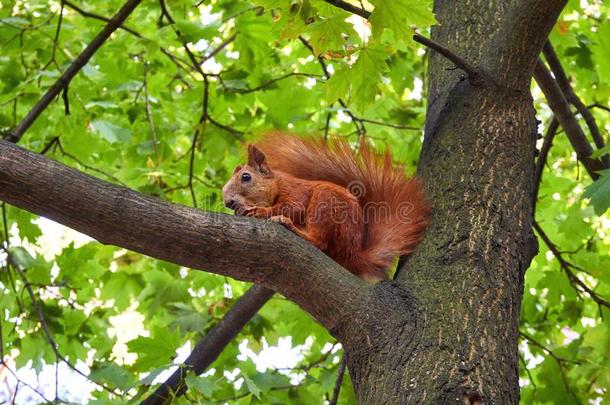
[{"x": 256, "y": 159}]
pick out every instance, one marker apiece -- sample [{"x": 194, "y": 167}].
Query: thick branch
[
  {"x": 210, "y": 347},
  {"x": 73, "y": 69},
  {"x": 243, "y": 248},
  {"x": 558, "y": 103},
  {"x": 516, "y": 46},
  {"x": 568, "y": 91}
]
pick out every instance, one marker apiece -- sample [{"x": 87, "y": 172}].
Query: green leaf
[
  {"x": 366, "y": 74},
  {"x": 338, "y": 85},
  {"x": 72, "y": 321},
  {"x": 200, "y": 384},
  {"x": 599, "y": 192},
  {"x": 252, "y": 387},
  {"x": 110, "y": 132},
  {"x": 20, "y": 257},
  {"x": 194, "y": 31},
  {"x": 327, "y": 34},
  {"x": 113, "y": 374},
  {"x": 399, "y": 16},
  {"x": 156, "y": 350}
]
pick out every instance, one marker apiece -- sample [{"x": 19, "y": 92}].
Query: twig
[
  {"x": 559, "y": 104},
  {"x": 8, "y": 266},
  {"x": 64, "y": 96},
  {"x": 200, "y": 129},
  {"x": 547, "y": 350},
  {"x": 361, "y": 129},
  {"x": 350, "y": 7},
  {"x": 339, "y": 380},
  {"x": 389, "y": 124},
  {"x": 567, "y": 268},
  {"x": 56, "y": 39},
  {"x": 600, "y": 106},
  {"x": 86, "y": 166},
  {"x": 559, "y": 360},
  {"x": 220, "y": 47},
  {"x": 148, "y": 111},
  {"x": 20, "y": 381},
  {"x": 166, "y": 14},
  {"x": 73, "y": 69},
  {"x": 197, "y": 65},
  {"x": 269, "y": 83},
  {"x": 542, "y": 158},
  {"x": 527, "y": 370},
  {"x": 47, "y": 332},
  {"x": 327, "y": 124},
  {"x": 210, "y": 347},
  {"x": 49, "y": 145},
  {"x": 235, "y": 132},
  {"x": 89, "y": 14},
  {"x": 177, "y": 61},
  {"x": 473, "y": 74}
]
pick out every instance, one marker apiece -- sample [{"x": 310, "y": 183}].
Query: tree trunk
[{"x": 446, "y": 330}]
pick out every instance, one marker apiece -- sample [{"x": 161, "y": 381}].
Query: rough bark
[{"x": 450, "y": 328}]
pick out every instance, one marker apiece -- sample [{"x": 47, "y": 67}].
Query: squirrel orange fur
[{"x": 358, "y": 208}]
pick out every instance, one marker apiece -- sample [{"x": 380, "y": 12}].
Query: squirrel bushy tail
[{"x": 395, "y": 210}]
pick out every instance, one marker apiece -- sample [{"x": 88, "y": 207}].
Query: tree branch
[
  {"x": 474, "y": 75},
  {"x": 558, "y": 103},
  {"x": 270, "y": 82},
  {"x": 350, "y": 7},
  {"x": 339, "y": 381},
  {"x": 73, "y": 69},
  {"x": 243, "y": 248},
  {"x": 542, "y": 158},
  {"x": 357, "y": 122},
  {"x": 568, "y": 91},
  {"x": 560, "y": 361},
  {"x": 210, "y": 347},
  {"x": 576, "y": 282},
  {"x": 88, "y": 14}
]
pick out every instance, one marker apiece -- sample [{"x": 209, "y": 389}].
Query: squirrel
[{"x": 357, "y": 207}]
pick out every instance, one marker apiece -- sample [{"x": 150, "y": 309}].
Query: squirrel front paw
[{"x": 256, "y": 212}]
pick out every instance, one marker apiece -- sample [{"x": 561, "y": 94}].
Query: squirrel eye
[{"x": 246, "y": 177}]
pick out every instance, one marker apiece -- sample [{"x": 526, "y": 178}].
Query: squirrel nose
[{"x": 230, "y": 204}]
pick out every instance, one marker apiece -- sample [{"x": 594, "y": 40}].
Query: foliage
[{"x": 140, "y": 114}]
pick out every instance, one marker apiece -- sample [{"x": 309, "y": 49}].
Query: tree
[{"x": 156, "y": 107}]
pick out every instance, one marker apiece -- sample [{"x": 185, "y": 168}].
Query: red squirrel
[{"x": 356, "y": 207}]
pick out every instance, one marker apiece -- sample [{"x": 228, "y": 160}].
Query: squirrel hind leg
[{"x": 309, "y": 234}]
